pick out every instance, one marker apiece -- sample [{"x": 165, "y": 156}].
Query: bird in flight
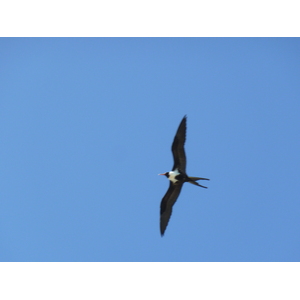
[{"x": 177, "y": 177}]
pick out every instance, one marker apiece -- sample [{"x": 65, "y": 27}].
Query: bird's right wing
[{"x": 167, "y": 203}]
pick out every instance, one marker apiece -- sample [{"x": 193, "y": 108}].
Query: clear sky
[{"x": 87, "y": 124}]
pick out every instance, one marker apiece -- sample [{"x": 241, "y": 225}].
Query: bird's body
[
  {"x": 177, "y": 176},
  {"x": 172, "y": 176}
]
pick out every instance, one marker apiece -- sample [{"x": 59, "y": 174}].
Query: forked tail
[{"x": 194, "y": 179}]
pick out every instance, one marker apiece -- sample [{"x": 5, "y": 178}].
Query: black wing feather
[
  {"x": 167, "y": 203},
  {"x": 178, "y": 147}
]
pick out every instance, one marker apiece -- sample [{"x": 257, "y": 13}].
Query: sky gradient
[{"x": 87, "y": 124}]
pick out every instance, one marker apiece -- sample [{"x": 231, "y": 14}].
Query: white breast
[{"x": 172, "y": 175}]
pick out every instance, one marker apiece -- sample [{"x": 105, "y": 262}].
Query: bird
[{"x": 177, "y": 176}]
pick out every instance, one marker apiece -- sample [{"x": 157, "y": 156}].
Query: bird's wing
[
  {"x": 167, "y": 203},
  {"x": 178, "y": 147}
]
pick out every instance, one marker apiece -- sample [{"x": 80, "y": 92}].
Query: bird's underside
[{"x": 177, "y": 177}]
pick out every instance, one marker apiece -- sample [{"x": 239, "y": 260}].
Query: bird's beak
[{"x": 162, "y": 174}]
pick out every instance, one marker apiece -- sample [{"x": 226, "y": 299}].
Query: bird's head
[{"x": 166, "y": 174}]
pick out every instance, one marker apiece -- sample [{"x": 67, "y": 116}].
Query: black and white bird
[{"x": 177, "y": 177}]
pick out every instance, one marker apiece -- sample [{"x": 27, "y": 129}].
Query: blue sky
[{"x": 87, "y": 124}]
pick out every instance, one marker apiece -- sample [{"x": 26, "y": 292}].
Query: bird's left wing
[
  {"x": 167, "y": 203},
  {"x": 178, "y": 146}
]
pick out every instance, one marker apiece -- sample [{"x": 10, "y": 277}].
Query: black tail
[{"x": 194, "y": 179}]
